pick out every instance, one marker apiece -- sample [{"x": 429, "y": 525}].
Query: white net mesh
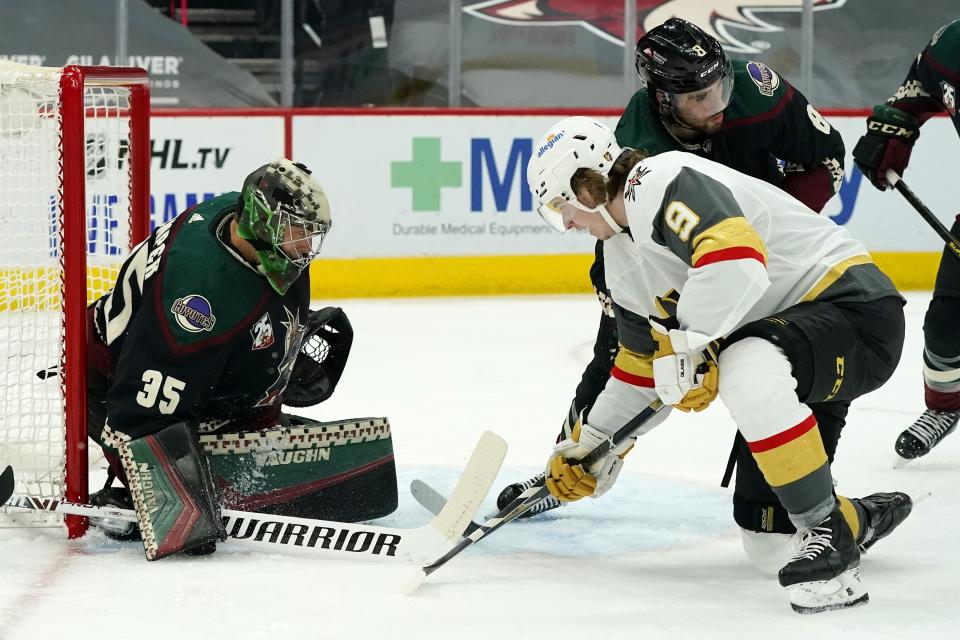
[{"x": 32, "y": 438}]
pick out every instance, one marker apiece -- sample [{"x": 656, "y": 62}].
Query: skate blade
[{"x": 842, "y": 592}]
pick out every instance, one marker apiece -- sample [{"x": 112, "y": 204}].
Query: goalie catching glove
[
  {"x": 687, "y": 380},
  {"x": 568, "y": 480},
  {"x": 322, "y": 358}
]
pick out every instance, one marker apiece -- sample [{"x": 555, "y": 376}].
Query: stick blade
[
  {"x": 6, "y": 484},
  {"x": 434, "y": 502},
  {"x": 428, "y": 497},
  {"x": 413, "y": 583},
  {"x": 472, "y": 488}
]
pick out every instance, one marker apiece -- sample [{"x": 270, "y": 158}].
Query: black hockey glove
[
  {"x": 886, "y": 145},
  {"x": 322, "y": 358}
]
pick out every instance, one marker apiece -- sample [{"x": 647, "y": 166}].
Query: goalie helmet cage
[{"x": 74, "y": 199}]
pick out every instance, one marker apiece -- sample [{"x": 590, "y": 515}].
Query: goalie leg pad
[
  {"x": 341, "y": 471},
  {"x": 172, "y": 492}
]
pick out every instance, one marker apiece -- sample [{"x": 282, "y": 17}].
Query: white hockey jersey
[{"x": 737, "y": 249}]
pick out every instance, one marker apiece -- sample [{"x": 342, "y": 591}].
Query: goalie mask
[
  {"x": 569, "y": 145},
  {"x": 285, "y": 215}
]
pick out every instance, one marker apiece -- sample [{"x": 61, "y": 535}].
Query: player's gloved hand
[
  {"x": 686, "y": 380},
  {"x": 886, "y": 145},
  {"x": 568, "y": 480}
]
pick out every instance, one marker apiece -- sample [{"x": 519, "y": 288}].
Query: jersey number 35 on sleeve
[{"x": 154, "y": 385}]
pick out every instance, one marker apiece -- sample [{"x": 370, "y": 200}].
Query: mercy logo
[
  {"x": 426, "y": 174},
  {"x": 499, "y": 173},
  {"x": 551, "y": 140}
]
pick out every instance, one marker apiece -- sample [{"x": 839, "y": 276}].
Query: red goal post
[{"x": 74, "y": 185}]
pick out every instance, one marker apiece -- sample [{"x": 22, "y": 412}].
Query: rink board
[{"x": 435, "y": 202}]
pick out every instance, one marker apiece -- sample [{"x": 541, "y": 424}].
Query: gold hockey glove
[
  {"x": 688, "y": 381},
  {"x": 568, "y": 480}
]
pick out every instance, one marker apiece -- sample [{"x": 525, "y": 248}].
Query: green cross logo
[{"x": 425, "y": 174}]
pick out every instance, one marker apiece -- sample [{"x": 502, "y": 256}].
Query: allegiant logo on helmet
[{"x": 552, "y": 139}]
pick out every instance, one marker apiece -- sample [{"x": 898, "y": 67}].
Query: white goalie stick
[
  {"x": 277, "y": 533},
  {"x": 434, "y": 502},
  {"x": 528, "y": 498}
]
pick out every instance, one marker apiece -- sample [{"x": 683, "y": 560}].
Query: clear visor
[
  {"x": 698, "y": 105},
  {"x": 300, "y": 239},
  {"x": 552, "y": 213},
  {"x": 559, "y": 212}
]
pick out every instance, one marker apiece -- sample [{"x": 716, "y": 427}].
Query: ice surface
[{"x": 657, "y": 557}]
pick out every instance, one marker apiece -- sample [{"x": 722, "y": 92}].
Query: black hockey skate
[
  {"x": 117, "y": 529},
  {"x": 885, "y": 512},
  {"x": 926, "y": 433},
  {"x": 510, "y": 493},
  {"x": 824, "y": 572}
]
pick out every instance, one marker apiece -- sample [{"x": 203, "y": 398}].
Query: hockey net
[{"x": 74, "y": 196}]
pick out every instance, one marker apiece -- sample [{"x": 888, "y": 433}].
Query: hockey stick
[
  {"x": 434, "y": 502},
  {"x": 924, "y": 212},
  {"x": 530, "y": 497},
  {"x": 278, "y": 533}
]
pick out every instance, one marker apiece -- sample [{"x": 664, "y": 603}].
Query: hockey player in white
[{"x": 712, "y": 271}]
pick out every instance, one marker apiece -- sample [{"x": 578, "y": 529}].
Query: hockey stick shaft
[
  {"x": 952, "y": 243},
  {"x": 532, "y": 496},
  {"x": 275, "y": 531}
]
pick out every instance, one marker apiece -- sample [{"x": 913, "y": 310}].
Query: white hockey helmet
[{"x": 570, "y": 144}]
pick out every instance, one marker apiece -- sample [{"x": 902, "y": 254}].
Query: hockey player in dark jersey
[
  {"x": 723, "y": 284},
  {"x": 930, "y": 88},
  {"x": 205, "y": 335},
  {"x": 742, "y": 115}
]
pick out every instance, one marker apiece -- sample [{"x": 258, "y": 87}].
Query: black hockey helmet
[{"x": 678, "y": 57}]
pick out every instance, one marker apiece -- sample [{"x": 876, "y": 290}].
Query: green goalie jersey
[{"x": 192, "y": 331}]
